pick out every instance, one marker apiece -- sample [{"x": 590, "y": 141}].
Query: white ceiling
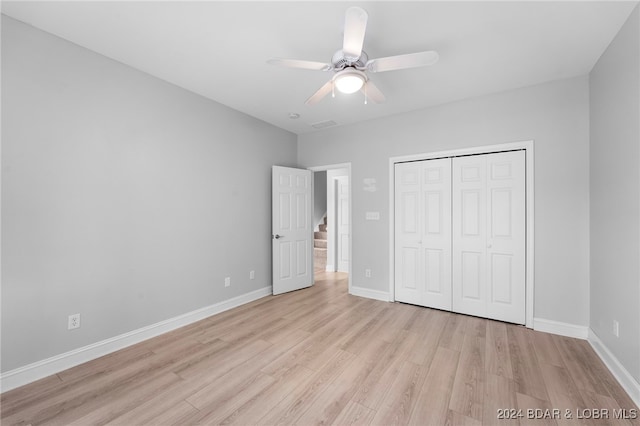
[{"x": 219, "y": 49}]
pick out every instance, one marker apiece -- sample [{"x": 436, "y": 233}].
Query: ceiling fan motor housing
[{"x": 339, "y": 61}]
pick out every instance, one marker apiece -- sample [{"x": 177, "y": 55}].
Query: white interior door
[
  {"x": 423, "y": 233},
  {"x": 292, "y": 232},
  {"x": 342, "y": 222},
  {"x": 489, "y": 236}
]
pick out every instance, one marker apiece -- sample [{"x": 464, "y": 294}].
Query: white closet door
[
  {"x": 423, "y": 233},
  {"x": 489, "y": 236}
]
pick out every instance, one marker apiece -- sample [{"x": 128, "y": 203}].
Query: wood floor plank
[
  {"x": 560, "y": 387},
  {"x": 381, "y": 316},
  {"x": 536, "y": 410},
  {"x": 159, "y": 406},
  {"x": 78, "y": 397},
  {"x": 499, "y": 394},
  {"x": 429, "y": 328},
  {"x": 330, "y": 403},
  {"x": 583, "y": 372},
  {"x": 322, "y": 356},
  {"x": 400, "y": 401},
  {"x": 177, "y": 415},
  {"x": 24, "y": 396},
  {"x": 222, "y": 361},
  {"x": 354, "y": 414},
  {"x": 284, "y": 385},
  {"x": 594, "y": 367},
  {"x": 432, "y": 405},
  {"x": 467, "y": 395},
  {"x": 606, "y": 410},
  {"x": 546, "y": 349},
  {"x": 526, "y": 370},
  {"x": 498, "y": 359},
  {"x": 295, "y": 404},
  {"x": 223, "y": 400},
  {"x": 456, "y": 419},
  {"x": 374, "y": 388},
  {"x": 452, "y": 336},
  {"x": 120, "y": 403},
  {"x": 304, "y": 351}
]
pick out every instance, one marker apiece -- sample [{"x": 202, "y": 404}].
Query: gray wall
[
  {"x": 554, "y": 115},
  {"x": 319, "y": 197},
  {"x": 124, "y": 198},
  {"x": 615, "y": 195}
]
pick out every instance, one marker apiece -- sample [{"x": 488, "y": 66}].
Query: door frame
[
  {"x": 527, "y": 146},
  {"x": 332, "y": 167},
  {"x": 336, "y": 215}
]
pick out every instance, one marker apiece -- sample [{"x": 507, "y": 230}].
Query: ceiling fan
[{"x": 351, "y": 63}]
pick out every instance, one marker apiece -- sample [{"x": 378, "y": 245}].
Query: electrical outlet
[
  {"x": 367, "y": 273},
  {"x": 252, "y": 275},
  {"x": 616, "y": 328},
  {"x": 74, "y": 322},
  {"x": 227, "y": 281}
]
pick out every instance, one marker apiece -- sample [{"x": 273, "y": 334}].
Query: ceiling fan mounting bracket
[{"x": 340, "y": 61}]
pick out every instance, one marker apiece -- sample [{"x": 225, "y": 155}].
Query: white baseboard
[
  {"x": 561, "y": 328},
  {"x": 370, "y": 294},
  {"x": 330, "y": 268},
  {"x": 626, "y": 380},
  {"x": 40, "y": 369}
]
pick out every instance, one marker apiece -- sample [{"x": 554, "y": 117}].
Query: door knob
[{"x": 277, "y": 237}]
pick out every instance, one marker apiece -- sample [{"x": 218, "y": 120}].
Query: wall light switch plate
[{"x": 372, "y": 216}]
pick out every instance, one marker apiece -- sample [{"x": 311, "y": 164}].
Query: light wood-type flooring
[{"x": 322, "y": 356}]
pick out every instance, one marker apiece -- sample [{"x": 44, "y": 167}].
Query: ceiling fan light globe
[{"x": 349, "y": 83}]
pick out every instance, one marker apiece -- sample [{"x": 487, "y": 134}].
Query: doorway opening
[{"x": 332, "y": 221}]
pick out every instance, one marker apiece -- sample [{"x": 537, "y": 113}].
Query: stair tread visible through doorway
[
  {"x": 320, "y": 244},
  {"x": 320, "y": 235}
]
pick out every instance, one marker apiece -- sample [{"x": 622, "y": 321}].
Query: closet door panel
[
  {"x": 436, "y": 233},
  {"x": 488, "y": 236},
  {"x": 469, "y": 235},
  {"x": 506, "y": 236},
  {"x": 423, "y": 233},
  {"x": 408, "y": 265}
]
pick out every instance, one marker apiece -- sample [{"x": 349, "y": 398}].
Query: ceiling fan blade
[
  {"x": 355, "y": 25},
  {"x": 372, "y": 93},
  {"x": 321, "y": 93},
  {"x": 399, "y": 62},
  {"x": 300, "y": 64}
]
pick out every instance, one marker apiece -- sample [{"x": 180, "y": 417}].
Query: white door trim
[
  {"x": 529, "y": 188},
  {"x": 348, "y": 167},
  {"x": 340, "y": 264}
]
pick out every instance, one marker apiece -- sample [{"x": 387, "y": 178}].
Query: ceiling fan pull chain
[
  {"x": 333, "y": 89},
  {"x": 365, "y": 93}
]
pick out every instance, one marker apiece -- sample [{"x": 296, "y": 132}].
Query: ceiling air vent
[{"x": 324, "y": 124}]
